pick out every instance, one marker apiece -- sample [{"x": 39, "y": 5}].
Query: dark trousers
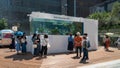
[
  {"x": 23, "y": 47},
  {"x": 78, "y": 48},
  {"x": 44, "y": 50},
  {"x": 85, "y": 54},
  {"x": 37, "y": 50},
  {"x": 104, "y": 45}
]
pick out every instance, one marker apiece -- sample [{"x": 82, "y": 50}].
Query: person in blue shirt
[{"x": 70, "y": 43}]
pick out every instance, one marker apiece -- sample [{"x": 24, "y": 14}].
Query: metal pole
[{"x": 75, "y": 8}]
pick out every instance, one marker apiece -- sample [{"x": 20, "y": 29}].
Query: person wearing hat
[{"x": 77, "y": 44}]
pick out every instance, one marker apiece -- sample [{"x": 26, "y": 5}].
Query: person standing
[
  {"x": 77, "y": 44},
  {"x": 107, "y": 42},
  {"x": 45, "y": 42},
  {"x": 104, "y": 38},
  {"x": 85, "y": 49},
  {"x": 70, "y": 43},
  {"x": 88, "y": 44},
  {"x": 34, "y": 40}
]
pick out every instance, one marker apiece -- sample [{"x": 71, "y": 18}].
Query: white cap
[{"x": 78, "y": 33}]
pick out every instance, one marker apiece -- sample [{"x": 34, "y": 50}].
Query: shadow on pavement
[
  {"x": 75, "y": 57},
  {"x": 110, "y": 51},
  {"x": 20, "y": 57},
  {"x": 62, "y": 53},
  {"x": 39, "y": 58},
  {"x": 84, "y": 62}
]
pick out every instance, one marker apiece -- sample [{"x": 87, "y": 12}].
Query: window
[
  {"x": 16, "y": 2},
  {"x": 54, "y": 27}
]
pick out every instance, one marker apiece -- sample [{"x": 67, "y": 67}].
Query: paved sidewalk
[
  {"x": 11, "y": 60},
  {"x": 108, "y": 64},
  {"x": 67, "y": 61}
]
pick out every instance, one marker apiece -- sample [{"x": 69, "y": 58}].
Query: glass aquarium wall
[{"x": 54, "y": 27}]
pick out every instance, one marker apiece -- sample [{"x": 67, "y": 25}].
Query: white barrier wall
[
  {"x": 58, "y": 44},
  {"x": 91, "y": 27}
]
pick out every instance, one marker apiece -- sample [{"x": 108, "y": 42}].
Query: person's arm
[
  {"x": 74, "y": 42},
  {"x": 46, "y": 41},
  {"x": 72, "y": 39},
  {"x": 85, "y": 44},
  {"x": 68, "y": 39},
  {"x": 80, "y": 41},
  {"x": 32, "y": 39},
  {"x": 118, "y": 40}
]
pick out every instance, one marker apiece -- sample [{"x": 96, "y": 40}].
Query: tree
[
  {"x": 102, "y": 17},
  {"x": 115, "y": 13},
  {"x": 108, "y": 20},
  {"x": 3, "y": 23}
]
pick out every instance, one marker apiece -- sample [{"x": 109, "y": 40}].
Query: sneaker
[
  {"x": 87, "y": 58},
  {"x": 45, "y": 56}
]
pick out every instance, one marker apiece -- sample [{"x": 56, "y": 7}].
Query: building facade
[
  {"x": 80, "y": 8},
  {"x": 15, "y": 11},
  {"x": 103, "y": 7}
]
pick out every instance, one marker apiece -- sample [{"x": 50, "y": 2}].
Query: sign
[{"x": 14, "y": 28}]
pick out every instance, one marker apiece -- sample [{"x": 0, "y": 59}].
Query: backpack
[{"x": 88, "y": 44}]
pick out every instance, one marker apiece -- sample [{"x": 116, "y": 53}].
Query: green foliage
[
  {"x": 108, "y": 20},
  {"x": 3, "y": 23},
  {"x": 55, "y": 31},
  {"x": 102, "y": 17},
  {"x": 115, "y": 13},
  {"x": 41, "y": 30},
  {"x": 77, "y": 27}
]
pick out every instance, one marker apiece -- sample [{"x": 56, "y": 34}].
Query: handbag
[
  {"x": 34, "y": 46},
  {"x": 48, "y": 45},
  {"x": 23, "y": 40}
]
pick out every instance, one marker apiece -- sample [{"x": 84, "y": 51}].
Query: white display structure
[{"x": 59, "y": 42}]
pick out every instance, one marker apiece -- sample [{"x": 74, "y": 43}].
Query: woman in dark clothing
[
  {"x": 12, "y": 45},
  {"x": 70, "y": 42},
  {"x": 107, "y": 43},
  {"x": 34, "y": 39}
]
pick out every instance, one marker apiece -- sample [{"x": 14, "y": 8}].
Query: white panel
[
  {"x": 58, "y": 44},
  {"x": 91, "y": 27}
]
